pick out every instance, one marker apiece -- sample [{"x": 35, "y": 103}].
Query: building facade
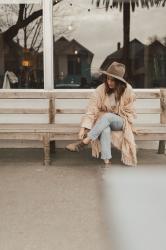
[{"x": 147, "y": 62}]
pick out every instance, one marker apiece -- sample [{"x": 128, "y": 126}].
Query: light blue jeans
[{"x": 102, "y": 130}]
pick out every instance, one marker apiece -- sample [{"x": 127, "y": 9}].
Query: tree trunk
[
  {"x": 126, "y": 38},
  {"x": 25, "y": 29}
]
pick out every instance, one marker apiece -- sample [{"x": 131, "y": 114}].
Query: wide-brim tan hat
[{"x": 116, "y": 70}]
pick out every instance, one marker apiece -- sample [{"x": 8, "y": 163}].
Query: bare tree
[
  {"x": 30, "y": 35},
  {"x": 23, "y": 20}
]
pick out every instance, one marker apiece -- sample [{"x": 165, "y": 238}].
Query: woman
[{"x": 109, "y": 118}]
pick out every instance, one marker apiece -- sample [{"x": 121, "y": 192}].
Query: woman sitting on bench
[{"x": 109, "y": 118}]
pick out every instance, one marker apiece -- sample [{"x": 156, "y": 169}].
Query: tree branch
[
  {"x": 13, "y": 30},
  {"x": 21, "y": 13},
  {"x": 20, "y": 24}
]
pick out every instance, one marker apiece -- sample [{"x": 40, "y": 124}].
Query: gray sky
[{"x": 99, "y": 31}]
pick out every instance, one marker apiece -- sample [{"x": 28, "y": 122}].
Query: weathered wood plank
[
  {"x": 82, "y": 111},
  {"x": 68, "y": 118},
  {"x": 23, "y": 111},
  {"x": 44, "y": 127},
  {"x": 71, "y": 136},
  {"x": 144, "y": 137},
  {"x": 71, "y": 103},
  {"x": 151, "y": 137},
  {"x": 148, "y": 130},
  {"x": 163, "y": 106},
  {"x": 70, "y": 111},
  {"x": 21, "y": 136},
  {"x": 147, "y": 93},
  {"x": 24, "y": 118},
  {"x": 51, "y": 110},
  {"x": 47, "y": 130},
  {"x": 9, "y": 143},
  {"x": 24, "y": 103},
  {"x": 76, "y": 118},
  {"x": 46, "y": 144},
  {"x": 87, "y": 95},
  {"x": 68, "y": 93},
  {"x": 150, "y": 125},
  {"x": 36, "y": 126},
  {"x": 74, "y": 130},
  {"x": 161, "y": 149},
  {"x": 24, "y": 93}
]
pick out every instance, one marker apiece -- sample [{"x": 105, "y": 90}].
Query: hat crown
[{"x": 117, "y": 69}]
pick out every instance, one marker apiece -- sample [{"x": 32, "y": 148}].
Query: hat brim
[{"x": 114, "y": 76}]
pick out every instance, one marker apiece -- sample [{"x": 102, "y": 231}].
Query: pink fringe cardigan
[{"x": 99, "y": 104}]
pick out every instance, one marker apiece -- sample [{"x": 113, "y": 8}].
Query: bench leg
[
  {"x": 46, "y": 143},
  {"x": 161, "y": 149},
  {"x": 52, "y": 146}
]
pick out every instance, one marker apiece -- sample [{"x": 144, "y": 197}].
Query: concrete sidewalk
[{"x": 58, "y": 207}]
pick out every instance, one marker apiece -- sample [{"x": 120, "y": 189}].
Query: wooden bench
[
  {"x": 49, "y": 116},
  {"x": 26, "y": 115},
  {"x": 70, "y": 105}
]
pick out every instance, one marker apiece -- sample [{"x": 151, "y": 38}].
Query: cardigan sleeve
[
  {"x": 129, "y": 106},
  {"x": 92, "y": 111}
]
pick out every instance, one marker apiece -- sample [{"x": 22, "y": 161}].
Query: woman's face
[{"x": 111, "y": 82}]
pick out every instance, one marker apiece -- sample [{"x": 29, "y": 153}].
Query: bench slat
[
  {"x": 41, "y": 125},
  {"x": 24, "y": 93},
  {"x": 149, "y": 137},
  {"x": 24, "y": 118},
  {"x": 85, "y": 93},
  {"x": 71, "y": 128},
  {"x": 82, "y": 111},
  {"x": 76, "y": 118},
  {"x": 23, "y": 111},
  {"x": 68, "y": 93},
  {"x": 65, "y": 111},
  {"x": 21, "y": 136}
]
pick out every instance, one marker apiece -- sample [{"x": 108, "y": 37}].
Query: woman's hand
[{"x": 81, "y": 133}]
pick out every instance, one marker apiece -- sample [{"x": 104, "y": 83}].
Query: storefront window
[
  {"x": 21, "y": 46},
  {"x": 148, "y": 47},
  {"x": 89, "y": 38},
  {"x": 86, "y": 39}
]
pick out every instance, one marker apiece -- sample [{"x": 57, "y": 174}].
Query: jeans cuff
[{"x": 106, "y": 158}]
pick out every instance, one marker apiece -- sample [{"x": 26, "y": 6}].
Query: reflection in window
[
  {"x": 21, "y": 46},
  {"x": 157, "y": 64},
  {"x": 87, "y": 38},
  {"x": 74, "y": 65}
]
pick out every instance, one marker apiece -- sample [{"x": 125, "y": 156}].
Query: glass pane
[
  {"x": 148, "y": 47},
  {"x": 88, "y": 39},
  {"x": 21, "y": 46}
]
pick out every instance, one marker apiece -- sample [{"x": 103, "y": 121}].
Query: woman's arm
[
  {"x": 128, "y": 107},
  {"x": 92, "y": 111}
]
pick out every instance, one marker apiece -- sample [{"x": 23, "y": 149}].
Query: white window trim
[
  {"x": 48, "y": 44},
  {"x": 47, "y": 38}
]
